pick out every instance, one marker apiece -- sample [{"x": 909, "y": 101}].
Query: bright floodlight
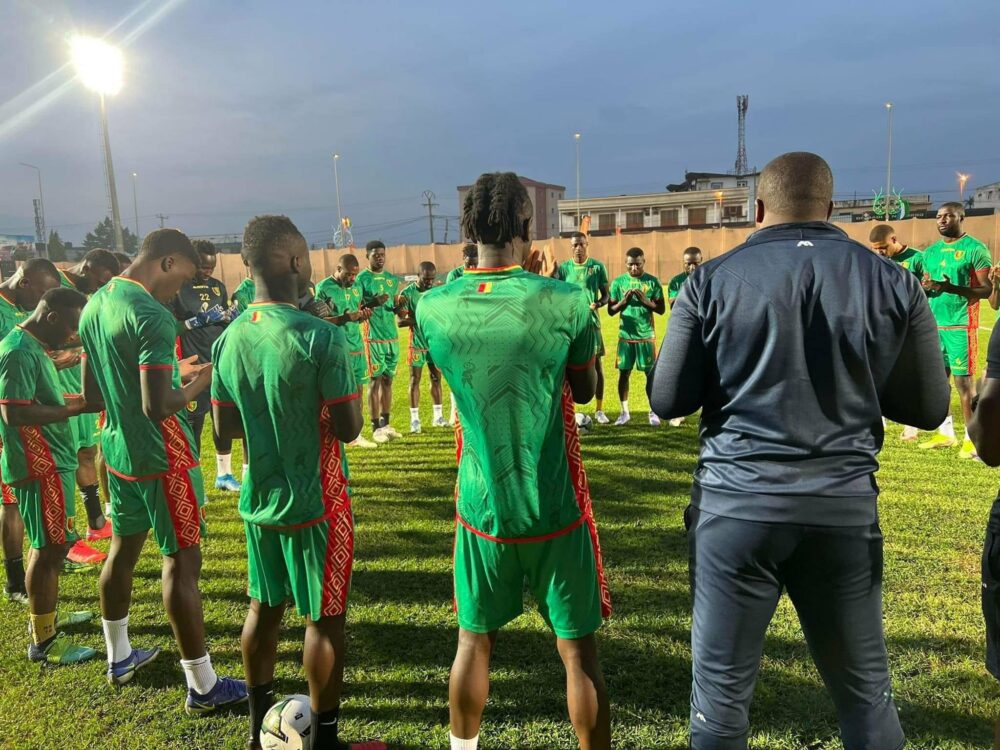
[{"x": 98, "y": 64}]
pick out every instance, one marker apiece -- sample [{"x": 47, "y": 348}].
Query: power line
[{"x": 429, "y": 196}]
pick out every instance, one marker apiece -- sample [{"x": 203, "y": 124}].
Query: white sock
[
  {"x": 967, "y": 438},
  {"x": 199, "y": 674},
  {"x": 414, "y": 413},
  {"x": 947, "y": 428},
  {"x": 223, "y": 464},
  {"x": 453, "y": 407},
  {"x": 438, "y": 411},
  {"x": 625, "y": 408},
  {"x": 457, "y": 744},
  {"x": 246, "y": 469},
  {"x": 116, "y": 638}
]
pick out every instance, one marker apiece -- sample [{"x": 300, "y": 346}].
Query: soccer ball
[
  {"x": 287, "y": 725},
  {"x": 583, "y": 422}
]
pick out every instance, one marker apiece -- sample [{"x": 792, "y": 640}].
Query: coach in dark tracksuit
[{"x": 794, "y": 345}]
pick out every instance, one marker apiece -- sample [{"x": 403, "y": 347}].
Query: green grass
[{"x": 402, "y": 632}]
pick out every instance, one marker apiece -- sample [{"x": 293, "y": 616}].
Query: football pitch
[{"x": 402, "y": 632}]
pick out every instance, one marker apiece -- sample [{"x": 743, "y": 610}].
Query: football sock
[
  {"x": 385, "y": 419},
  {"x": 438, "y": 411},
  {"x": 43, "y": 628},
  {"x": 199, "y": 674},
  {"x": 625, "y": 408},
  {"x": 246, "y": 469},
  {"x": 459, "y": 744},
  {"x": 375, "y": 424},
  {"x": 600, "y": 404},
  {"x": 415, "y": 413},
  {"x": 92, "y": 502},
  {"x": 116, "y": 638},
  {"x": 967, "y": 438},
  {"x": 947, "y": 427},
  {"x": 324, "y": 730},
  {"x": 15, "y": 574},
  {"x": 261, "y": 700},
  {"x": 223, "y": 464}
]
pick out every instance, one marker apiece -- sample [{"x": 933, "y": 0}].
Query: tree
[
  {"x": 57, "y": 250},
  {"x": 104, "y": 236}
]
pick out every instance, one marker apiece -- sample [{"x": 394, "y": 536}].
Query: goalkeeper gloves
[{"x": 209, "y": 317}]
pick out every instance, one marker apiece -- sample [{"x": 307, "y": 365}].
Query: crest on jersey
[
  {"x": 485, "y": 288},
  {"x": 192, "y": 406},
  {"x": 959, "y": 254},
  {"x": 216, "y": 291}
]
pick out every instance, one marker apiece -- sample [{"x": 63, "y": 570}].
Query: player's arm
[
  {"x": 18, "y": 376},
  {"x": 91, "y": 391},
  {"x": 655, "y": 303},
  {"x": 581, "y": 365},
  {"x": 615, "y": 305},
  {"x": 17, "y": 414},
  {"x": 916, "y": 391},
  {"x": 602, "y": 300},
  {"x": 984, "y": 428},
  {"x": 156, "y": 367},
  {"x": 994, "y": 278},
  {"x": 678, "y": 383}
]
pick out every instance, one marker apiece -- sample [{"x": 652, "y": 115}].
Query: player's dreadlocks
[{"x": 497, "y": 210}]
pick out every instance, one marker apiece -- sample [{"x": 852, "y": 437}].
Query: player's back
[
  {"x": 279, "y": 367},
  {"x": 503, "y": 339},
  {"x": 125, "y": 330}
]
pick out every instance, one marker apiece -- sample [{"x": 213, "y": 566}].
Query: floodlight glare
[{"x": 98, "y": 64}]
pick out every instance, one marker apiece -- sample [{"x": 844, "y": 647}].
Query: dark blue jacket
[{"x": 794, "y": 345}]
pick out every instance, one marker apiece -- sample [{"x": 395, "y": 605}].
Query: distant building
[
  {"x": 987, "y": 196},
  {"x": 544, "y": 197},
  {"x": 860, "y": 209}
]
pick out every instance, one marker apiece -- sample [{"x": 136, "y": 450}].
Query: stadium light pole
[
  {"x": 41, "y": 206},
  {"x": 336, "y": 180},
  {"x": 962, "y": 179},
  {"x": 135, "y": 211},
  {"x": 99, "y": 67},
  {"x": 718, "y": 197},
  {"x": 576, "y": 137},
  {"x": 888, "y": 168}
]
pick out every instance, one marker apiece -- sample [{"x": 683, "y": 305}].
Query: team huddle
[{"x": 135, "y": 356}]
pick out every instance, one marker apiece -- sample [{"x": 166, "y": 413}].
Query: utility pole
[
  {"x": 429, "y": 197},
  {"x": 162, "y": 219},
  {"x": 446, "y": 230}
]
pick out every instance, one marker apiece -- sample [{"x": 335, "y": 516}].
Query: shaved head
[
  {"x": 797, "y": 186},
  {"x": 881, "y": 232},
  {"x": 348, "y": 261}
]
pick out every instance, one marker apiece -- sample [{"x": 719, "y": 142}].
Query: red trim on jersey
[
  {"x": 580, "y": 485},
  {"x": 182, "y": 504},
  {"x": 7, "y": 493},
  {"x": 339, "y": 557},
  {"x": 973, "y": 335},
  {"x": 500, "y": 269},
  {"x": 295, "y": 526},
  {"x": 454, "y": 540},
  {"x": 132, "y": 281},
  {"x": 178, "y": 349},
  {"x": 340, "y": 399},
  {"x": 156, "y": 367},
  {"x": 365, "y": 332},
  {"x": 13, "y": 401},
  {"x": 83, "y": 355},
  {"x": 638, "y": 341},
  {"x": 216, "y": 402},
  {"x": 585, "y": 366},
  {"x": 8, "y": 300},
  {"x": 53, "y": 505},
  {"x": 523, "y": 539}
]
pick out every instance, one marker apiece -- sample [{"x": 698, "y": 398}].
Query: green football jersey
[
  {"x": 959, "y": 261},
  {"x": 381, "y": 328},
  {"x": 280, "y": 367},
  {"x": 503, "y": 339},
  {"x": 70, "y": 376},
  {"x": 10, "y": 315},
  {"x": 636, "y": 321},
  {"x": 28, "y": 376},
  {"x": 911, "y": 260},
  {"x": 343, "y": 300},
  {"x": 455, "y": 273},
  {"x": 411, "y": 296},
  {"x": 244, "y": 294},
  {"x": 590, "y": 276},
  {"x": 675, "y": 284},
  {"x": 125, "y": 330}
]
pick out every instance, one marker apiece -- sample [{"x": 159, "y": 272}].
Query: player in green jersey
[
  {"x": 883, "y": 241},
  {"x": 956, "y": 272},
  {"x": 344, "y": 298},
  {"x": 284, "y": 381},
  {"x": 39, "y": 461},
  {"x": 380, "y": 294},
  {"x": 244, "y": 294},
  {"x": 90, "y": 274},
  {"x": 591, "y": 276},
  {"x": 131, "y": 369},
  {"x": 518, "y": 349},
  {"x": 18, "y": 297},
  {"x": 636, "y": 296},
  {"x": 418, "y": 354},
  {"x": 691, "y": 260},
  {"x": 470, "y": 259}
]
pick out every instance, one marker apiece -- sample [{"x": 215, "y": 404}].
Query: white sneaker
[
  {"x": 654, "y": 420},
  {"x": 362, "y": 442},
  {"x": 676, "y": 422},
  {"x": 380, "y": 436},
  {"x": 439, "y": 422},
  {"x": 415, "y": 426},
  {"x": 601, "y": 418},
  {"x": 392, "y": 432},
  {"x": 909, "y": 434},
  {"x": 623, "y": 419}
]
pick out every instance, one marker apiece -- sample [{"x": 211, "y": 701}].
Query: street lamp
[
  {"x": 99, "y": 67},
  {"x": 888, "y": 168},
  {"x": 340, "y": 213},
  {"x": 40, "y": 223},
  {"x": 135, "y": 210},
  {"x": 962, "y": 179},
  {"x": 718, "y": 197},
  {"x": 576, "y": 136}
]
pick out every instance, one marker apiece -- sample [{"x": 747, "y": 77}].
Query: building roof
[{"x": 525, "y": 181}]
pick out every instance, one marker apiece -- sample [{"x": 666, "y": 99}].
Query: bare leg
[
  {"x": 415, "y": 386},
  {"x": 964, "y": 386},
  {"x": 623, "y": 376},
  {"x": 469, "y": 685},
  {"x": 86, "y": 472},
  {"x": 435, "y": 375},
  {"x": 102, "y": 473},
  {"x": 586, "y": 694},
  {"x": 259, "y": 642},
  {"x": 386, "y": 395},
  {"x": 323, "y": 659},
  {"x": 600, "y": 379},
  {"x": 182, "y": 600},
  {"x": 42, "y": 578},
  {"x": 116, "y": 575},
  {"x": 12, "y": 531}
]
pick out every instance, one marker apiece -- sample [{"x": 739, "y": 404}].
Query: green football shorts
[
  {"x": 419, "y": 358},
  {"x": 959, "y": 347},
  {"x": 636, "y": 355},
  {"x": 560, "y": 572},
  {"x": 86, "y": 430},
  {"x": 170, "y": 505},
  {"x": 311, "y": 565},
  {"x": 48, "y": 506},
  {"x": 383, "y": 358},
  {"x": 360, "y": 366}
]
